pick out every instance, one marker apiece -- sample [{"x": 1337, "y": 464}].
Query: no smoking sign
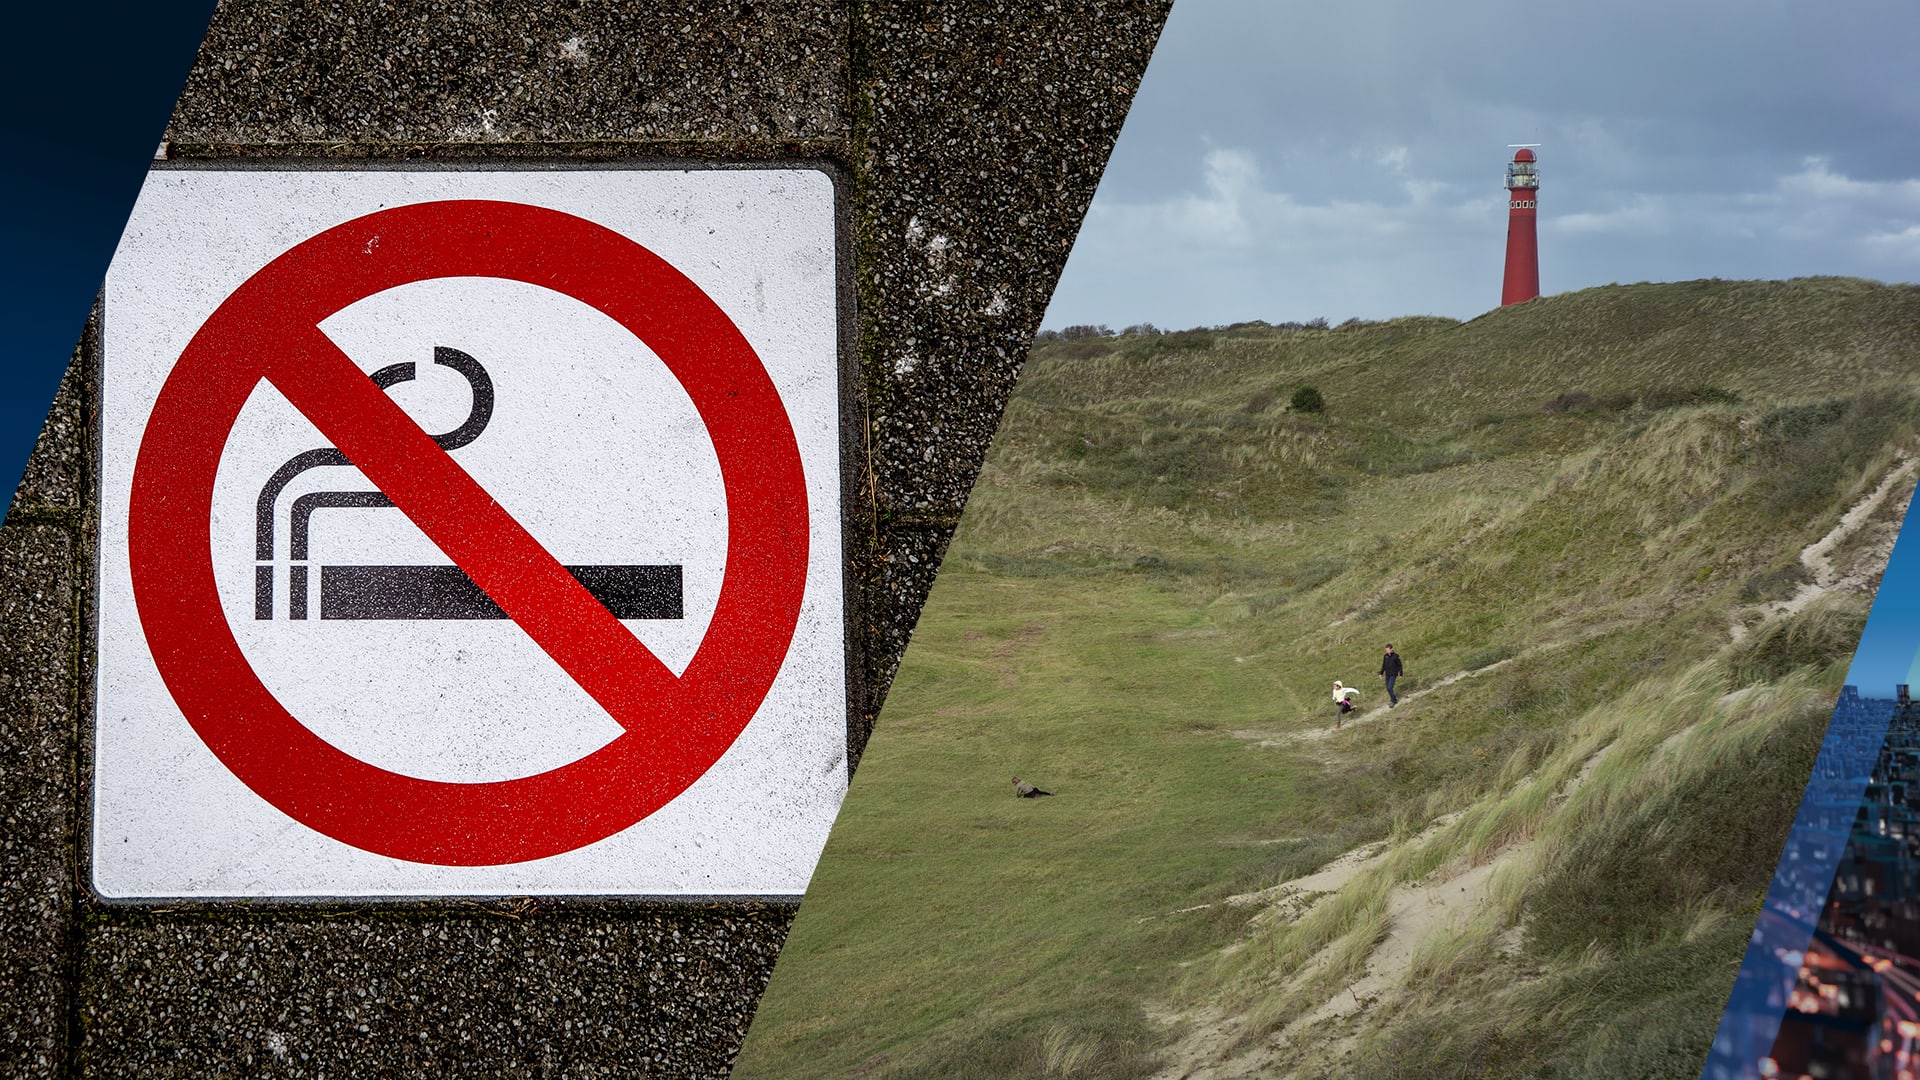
[{"x": 470, "y": 533}]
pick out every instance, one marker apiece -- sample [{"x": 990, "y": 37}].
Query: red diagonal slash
[
  {"x": 472, "y": 529},
  {"x": 674, "y": 729}
]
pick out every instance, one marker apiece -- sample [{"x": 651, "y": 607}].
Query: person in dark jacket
[{"x": 1390, "y": 670}]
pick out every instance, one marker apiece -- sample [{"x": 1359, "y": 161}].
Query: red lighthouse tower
[{"x": 1523, "y": 252}]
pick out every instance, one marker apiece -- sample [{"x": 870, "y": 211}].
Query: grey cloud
[{"x": 1300, "y": 160}]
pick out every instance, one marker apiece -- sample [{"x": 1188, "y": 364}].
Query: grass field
[{"x": 1578, "y": 519}]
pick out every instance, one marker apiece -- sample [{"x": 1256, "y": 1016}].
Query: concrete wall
[{"x": 973, "y": 132}]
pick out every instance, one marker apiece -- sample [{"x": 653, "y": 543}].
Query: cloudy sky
[{"x": 1292, "y": 161}]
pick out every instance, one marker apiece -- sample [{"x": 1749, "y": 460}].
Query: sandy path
[
  {"x": 1817, "y": 557},
  {"x": 1315, "y": 734},
  {"x": 1417, "y": 912}
]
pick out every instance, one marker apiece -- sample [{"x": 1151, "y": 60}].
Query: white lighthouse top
[{"x": 1522, "y": 173}]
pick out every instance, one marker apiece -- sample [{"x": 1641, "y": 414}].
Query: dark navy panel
[{"x": 86, "y": 89}]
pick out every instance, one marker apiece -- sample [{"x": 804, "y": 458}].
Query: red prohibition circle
[{"x": 674, "y": 728}]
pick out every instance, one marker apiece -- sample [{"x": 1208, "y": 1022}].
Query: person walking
[{"x": 1390, "y": 668}]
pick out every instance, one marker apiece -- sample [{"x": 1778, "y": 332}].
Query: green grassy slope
[{"x": 1568, "y": 502}]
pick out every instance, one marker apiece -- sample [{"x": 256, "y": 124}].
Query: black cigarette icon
[
  {"x": 446, "y": 592},
  {"x": 403, "y": 592}
]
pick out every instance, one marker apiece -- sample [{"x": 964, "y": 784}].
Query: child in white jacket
[{"x": 1342, "y": 696}]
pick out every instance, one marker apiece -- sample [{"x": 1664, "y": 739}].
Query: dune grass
[{"x": 1565, "y": 504}]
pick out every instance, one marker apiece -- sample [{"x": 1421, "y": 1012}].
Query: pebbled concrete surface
[
  {"x": 973, "y": 133},
  {"x": 421, "y": 993},
  {"x": 429, "y": 74},
  {"x": 36, "y": 791},
  {"x": 45, "y": 575}
]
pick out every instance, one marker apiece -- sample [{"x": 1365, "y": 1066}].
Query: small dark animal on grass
[{"x": 1026, "y": 790}]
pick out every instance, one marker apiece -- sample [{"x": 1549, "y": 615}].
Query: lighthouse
[{"x": 1523, "y": 253}]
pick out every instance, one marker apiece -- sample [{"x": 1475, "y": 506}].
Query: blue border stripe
[{"x": 87, "y": 90}]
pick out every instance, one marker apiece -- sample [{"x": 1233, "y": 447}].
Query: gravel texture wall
[{"x": 971, "y": 134}]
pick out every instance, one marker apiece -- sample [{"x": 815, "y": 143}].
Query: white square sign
[{"x": 470, "y": 533}]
